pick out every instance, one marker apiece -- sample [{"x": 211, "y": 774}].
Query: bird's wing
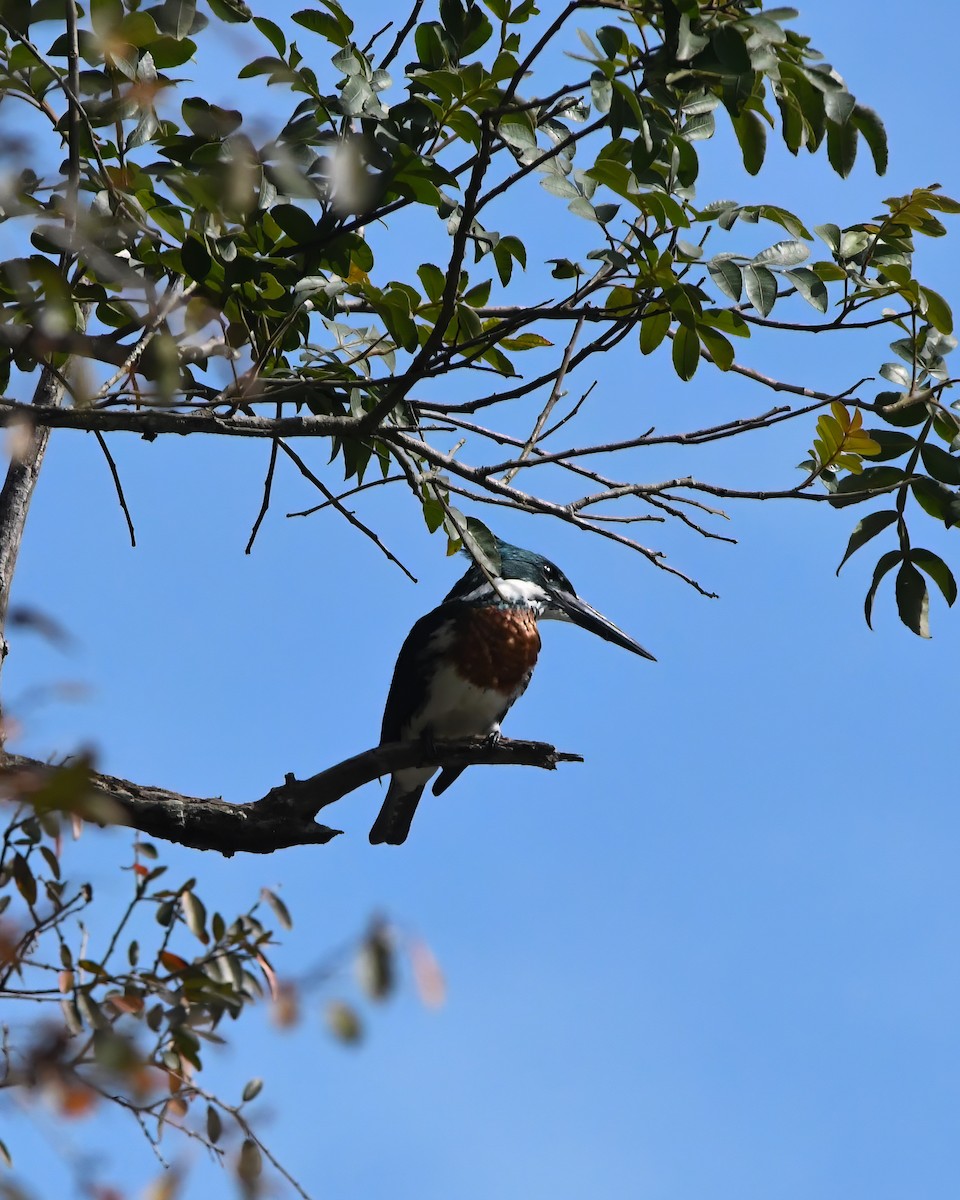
[{"x": 411, "y": 676}]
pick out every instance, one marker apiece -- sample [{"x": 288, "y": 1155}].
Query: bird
[{"x": 467, "y": 661}]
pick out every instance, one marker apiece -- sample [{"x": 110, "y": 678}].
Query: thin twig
[
  {"x": 394, "y": 50},
  {"x": 572, "y": 413},
  {"x": 551, "y": 403},
  {"x": 267, "y": 488},
  {"x": 117, "y": 484},
  {"x": 345, "y": 512},
  {"x": 363, "y": 487}
]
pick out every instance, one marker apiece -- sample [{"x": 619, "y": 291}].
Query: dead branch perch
[{"x": 285, "y": 816}]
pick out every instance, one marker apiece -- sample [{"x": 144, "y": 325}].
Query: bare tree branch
[{"x": 285, "y": 816}]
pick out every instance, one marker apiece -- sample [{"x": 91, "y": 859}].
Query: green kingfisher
[{"x": 466, "y": 662}]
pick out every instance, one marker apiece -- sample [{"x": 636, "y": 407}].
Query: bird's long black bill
[{"x": 580, "y": 613}]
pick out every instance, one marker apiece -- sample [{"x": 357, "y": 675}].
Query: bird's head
[{"x": 527, "y": 578}]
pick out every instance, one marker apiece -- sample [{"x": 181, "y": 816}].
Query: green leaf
[
  {"x": 233, "y": 11},
  {"x": 343, "y": 1022},
  {"x": 195, "y": 258},
  {"x": 903, "y": 418},
  {"x": 730, "y": 48},
  {"x": 209, "y": 121},
  {"x": 854, "y": 489},
  {"x": 433, "y": 513},
  {"x": 375, "y": 967},
  {"x": 280, "y": 910},
  {"x": 653, "y": 329},
  {"x": 481, "y": 545},
  {"x": 869, "y": 124},
  {"x": 783, "y": 254},
  {"x": 186, "y": 11},
  {"x": 936, "y": 500},
  {"x": 518, "y": 130},
  {"x": 214, "y": 1124},
  {"x": 295, "y": 223},
  {"x": 885, "y": 564},
  {"x": 106, "y": 15},
  {"x": 23, "y": 878},
  {"x": 601, "y": 92},
  {"x": 752, "y": 136},
  {"x": 686, "y": 352},
  {"x": 913, "y": 600},
  {"x": 504, "y": 253},
  {"x": 831, "y": 235},
  {"x": 842, "y": 146},
  {"x": 525, "y": 341},
  {"x": 273, "y": 33},
  {"x": 251, "y": 1089},
  {"x": 726, "y": 321},
  {"x": 938, "y": 311},
  {"x": 195, "y": 915},
  {"x": 335, "y": 28},
  {"x": 810, "y": 286},
  {"x": 934, "y": 566},
  {"x": 761, "y": 287},
  {"x": 896, "y": 373},
  {"x": 720, "y": 350},
  {"x": 892, "y": 444},
  {"x": 728, "y": 277},
  {"x": 941, "y": 465},
  {"x": 433, "y": 280},
  {"x": 249, "y": 1166},
  {"x": 868, "y": 528}
]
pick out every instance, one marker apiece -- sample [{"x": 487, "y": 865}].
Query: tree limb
[{"x": 285, "y": 816}]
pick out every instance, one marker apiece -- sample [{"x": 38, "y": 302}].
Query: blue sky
[{"x": 718, "y": 958}]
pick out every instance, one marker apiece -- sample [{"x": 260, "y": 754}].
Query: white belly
[{"x": 456, "y": 708}]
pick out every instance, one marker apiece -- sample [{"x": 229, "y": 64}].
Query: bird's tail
[
  {"x": 393, "y": 822},
  {"x": 447, "y": 776}
]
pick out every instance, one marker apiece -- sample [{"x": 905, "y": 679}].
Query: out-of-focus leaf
[
  {"x": 280, "y": 910},
  {"x": 343, "y": 1022},
  {"x": 24, "y": 879},
  {"x": 214, "y": 1124},
  {"x": 375, "y": 966},
  {"x": 249, "y": 1164},
  {"x": 195, "y": 915}
]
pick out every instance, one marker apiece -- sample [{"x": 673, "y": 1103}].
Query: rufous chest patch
[{"x": 497, "y": 648}]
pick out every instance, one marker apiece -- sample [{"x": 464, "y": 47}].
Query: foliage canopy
[
  {"x": 223, "y": 272},
  {"x": 192, "y": 268}
]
